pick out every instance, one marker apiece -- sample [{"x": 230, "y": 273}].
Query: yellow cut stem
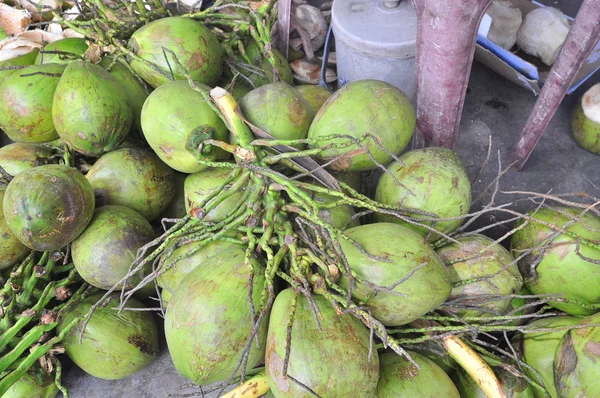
[
  {"x": 253, "y": 388},
  {"x": 470, "y": 361}
]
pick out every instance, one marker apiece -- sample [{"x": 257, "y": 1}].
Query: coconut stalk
[
  {"x": 577, "y": 47},
  {"x": 446, "y": 35}
]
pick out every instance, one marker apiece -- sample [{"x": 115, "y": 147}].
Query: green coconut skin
[
  {"x": 187, "y": 258},
  {"x": 576, "y": 361},
  {"x": 104, "y": 251},
  {"x": 258, "y": 60},
  {"x": 72, "y": 45},
  {"x": 177, "y": 109},
  {"x": 316, "y": 96},
  {"x": 425, "y": 290},
  {"x": 512, "y": 386},
  {"x": 279, "y": 110},
  {"x": 36, "y": 386},
  {"x": 398, "y": 377},
  {"x": 115, "y": 345},
  {"x": 133, "y": 88},
  {"x": 333, "y": 361},
  {"x": 135, "y": 178},
  {"x": 338, "y": 216},
  {"x": 539, "y": 348},
  {"x": 359, "y": 108},
  {"x": 561, "y": 270},
  {"x": 26, "y": 103},
  {"x": 18, "y": 157},
  {"x": 21, "y": 60},
  {"x": 11, "y": 249},
  {"x": 585, "y": 131},
  {"x": 476, "y": 257},
  {"x": 209, "y": 319},
  {"x": 90, "y": 112},
  {"x": 431, "y": 180},
  {"x": 48, "y": 206},
  {"x": 176, "y": 208},
  {"x": 195, "y": 46},
  {"x": 200, "y": 185}
]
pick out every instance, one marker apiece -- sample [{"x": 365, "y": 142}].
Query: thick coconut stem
[
  {"x": 251, "y": 388},
  {"x": 470, "y": 361},
  {"x": 227, "y": 105}
]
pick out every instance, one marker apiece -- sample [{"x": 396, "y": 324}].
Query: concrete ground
[{"x": 493, "y": 107}]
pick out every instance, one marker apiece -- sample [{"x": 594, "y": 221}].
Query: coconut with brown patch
[
  {"x": 135, "y": 178},
  {"x": 209, "y": 319},
  {"x": 367, "y": 121},
  {"x": 484, "y": 274},
  {"x": 403, "y": 263},
  {"x": 89, "y": 111},
  {"x": 48, "y": 206},
  {"x": 577, "y": 359},
  {"x": 562, "y": 263},
  {"x": 114, "y": 344},
  {"x": 433, "y": 181},
  {"x": 170, "y": 42},
  {"x": 26, "y": 101},
  {"x": 330, "y": 358}
]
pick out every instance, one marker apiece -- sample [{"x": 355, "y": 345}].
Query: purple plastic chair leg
[
  {"x": 577, "y": 47},
  {"x": 446, "y": 36}
]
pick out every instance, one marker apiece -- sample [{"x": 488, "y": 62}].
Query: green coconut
[
  {"x": 105, "y": 250},
  {"x": 431, "y": 180},
  {"x": 67, "y": 50},
  {"x": 192, "y": 110},
  {"x": 20, "y": 60},
  {"x": 376, "y": 114},
  {"x": 18, "y": 157},
  {"x": 279, "y": 110},
  {"x": 576, "y": 361},
  {"x": 539, "y": 348},
  {"x": 585, "y": 121},
  {"x": 513, "y": 386},
  {"x": 494, "y": 270},
  {"x": 114, "y": 344},
  {"x": 398, "y": 377},
  {"x": 48, "y": 206},
  {"x": 316, "y": 96},
  {"x": 258, "y": 60},
  {"x": 11, "y": 249},
  {"x": 176, "y": 208},
  {"x": 26, "y": 103},
  {"x": 339, "y": 216},
  {"x": 560, "y": 269},
  {"x": 209, "y": 320},
  {"x": 333, "y": 360},
  {"x": 200, "y": 185},
  {"x": 404, "y": 251},
  {"x": 34, "y": 384},
  {"x": 187, "y": 258},
  {"x": 135, "y": 178},
  {"x": 169, "y": 42},
  {"x": 90, "y": 112},
  {"x": 134, "y": 89}
]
